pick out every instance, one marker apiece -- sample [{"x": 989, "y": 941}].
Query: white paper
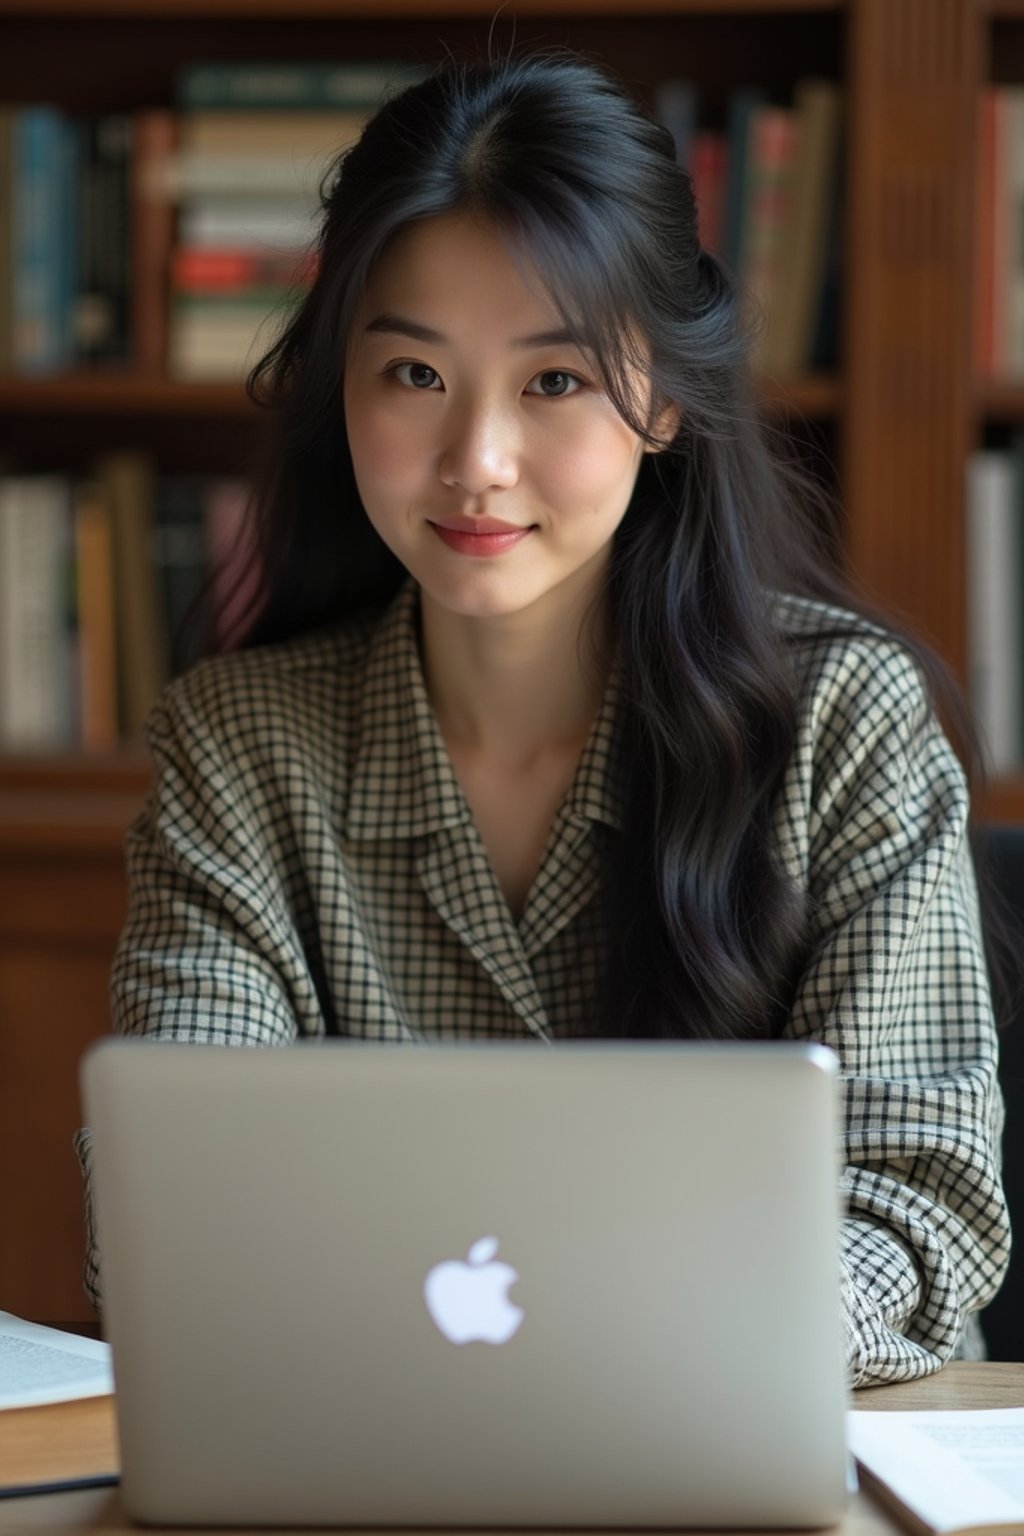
[
  {"x": 953, "y": 1469},
  {"x": 46, "y": 1365}
]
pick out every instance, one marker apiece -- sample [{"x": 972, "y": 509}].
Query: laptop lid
[{"x": 472, "y": 1284}]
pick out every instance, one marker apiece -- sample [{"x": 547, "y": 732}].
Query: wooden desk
[{"x": 99, "y": 1510}]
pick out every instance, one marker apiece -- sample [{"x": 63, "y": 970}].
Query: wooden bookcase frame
[{"x": 904, "y": 415}]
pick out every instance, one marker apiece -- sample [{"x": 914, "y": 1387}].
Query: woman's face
[{"x": 486, "y": 454}]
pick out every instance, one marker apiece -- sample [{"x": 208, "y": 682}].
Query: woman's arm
[
  {"x": 898, "y": 987},
  {"x": 210, "y": 952}
]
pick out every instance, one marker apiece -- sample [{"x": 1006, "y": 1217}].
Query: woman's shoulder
[
  {"x": 324, "y": 662},
  {"x": 839, "y": 654}
]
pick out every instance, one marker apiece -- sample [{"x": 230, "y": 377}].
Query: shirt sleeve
[
  {"x": 210, "y": 951},
  {"x": 898, "y": 987}
]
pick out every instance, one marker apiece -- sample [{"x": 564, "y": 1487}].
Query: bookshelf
[{"x": 895, "y": 423}]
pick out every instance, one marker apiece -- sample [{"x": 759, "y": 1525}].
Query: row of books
[
  {"x": 111, "y": 583},
  {"x": 769, "y": 191},
  {"x": 173, "y": 238},
  {"x": 994, "y": 559},
  {"x": 178, "y": 238}
]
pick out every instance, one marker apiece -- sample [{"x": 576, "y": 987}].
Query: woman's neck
[{"x": 514, "y": 687}]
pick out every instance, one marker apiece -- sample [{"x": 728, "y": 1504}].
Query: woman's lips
[{"x": 483, "y": 538}]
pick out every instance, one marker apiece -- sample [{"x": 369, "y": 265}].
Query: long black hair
[{"x": 705, "y": 931}]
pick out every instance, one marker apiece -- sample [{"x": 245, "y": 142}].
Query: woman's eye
[
  {"x": 553, "y": 383},
  {"x": 416, "y": 375}
]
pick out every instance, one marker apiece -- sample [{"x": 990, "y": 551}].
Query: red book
[
  {"x": 202, "y": 269},
  {"x": 708, "y": 168},
  {"x": 227, "y": 515}
]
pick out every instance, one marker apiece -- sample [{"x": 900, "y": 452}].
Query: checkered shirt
[{"x": 306, "y": 861}]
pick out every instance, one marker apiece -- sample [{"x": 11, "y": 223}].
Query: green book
[{"x": 292, "y": 86}]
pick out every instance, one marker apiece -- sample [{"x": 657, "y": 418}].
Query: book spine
[
  {"x": 154, "y": 138},
  {"x": 235, "y": 571},
  {"x": 709, "y": 169},
  {"x": 94, "y": 549},
  {"x": 100, "y": 322},
  {"x": 1015, "y": 255},
  {"x": 7, "y": 119},
  {"x": 291, "y": 87},
  {"x": 803, "y": 252},
  {"x": 985, "y": 219},
  {"x": 35, "y": 634},
  {"x": 181, "y": 561},
  {"x": 126, "y": 480},
  {"x": 994, "y": 630},
  {"x": 742, "y": 106},
  {"x": 199, "y": 270},
  {"x": 675, "y": 106},
  {"x": 43, "y": 221},
  {"x": 769, "y": 208}
]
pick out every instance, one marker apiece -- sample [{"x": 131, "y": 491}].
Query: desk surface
[{"x": 99, "y": 1510}]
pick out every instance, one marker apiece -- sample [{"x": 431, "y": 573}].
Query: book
[
  {"x": 43, "y": 230},
  {"x": 743, "y": 104},
  {"x": 274, "y": 133},
  {"x": 222, "y": 337},
  {"x": 238, "y": 269},
  {"x": 97, "y": 636},
  {"x": 58, "y": 1447},
  {"x": 994, "y": 550},
  {"x": 40, "y": 1365},
  {"x": 1010, "y": 255},
  {"x": 709, "y": 169},
  {"x": 803, "y": 248},
  {"x": 248, "y": 223},
  {"x": 126, "y": 483},
  {"x": 57, "y": 1422},
  {"x": 944, "y": 1472},
  {"x": 235, "y": 573},
  {"x": 7, "y": 115},
  {"x": 986, "y": 213},
  {"x": 36, "y": 630},
  {"x": 290, "y": 86},
  {"x": 100, "y": 330},
  {"x": 181, "y": 560},
  {"x": 675, "y": 107},
  {"x": 767, "y": 213},
  {"x": 154, "y": 137}
]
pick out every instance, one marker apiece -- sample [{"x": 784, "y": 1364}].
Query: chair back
[{"x": 1001, "y": 850}]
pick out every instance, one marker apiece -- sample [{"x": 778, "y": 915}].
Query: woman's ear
[{"x": 664, "y": 428}]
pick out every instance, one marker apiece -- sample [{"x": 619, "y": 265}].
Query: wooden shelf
[
  {"x": 1002, "y": 401},
  {"x": 140, "y": 10},
  {"x": 121, "y": 394},
  {"x": 1003, "y": 800},
  {"x": 129, "y": 394}
]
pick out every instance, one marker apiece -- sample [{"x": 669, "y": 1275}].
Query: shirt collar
[{"x": 403, "y": 784}]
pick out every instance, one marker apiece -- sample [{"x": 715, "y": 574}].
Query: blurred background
[{"x": 858, "y": 163}]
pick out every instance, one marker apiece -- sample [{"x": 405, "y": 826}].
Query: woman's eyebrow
[{"x": 398, "y": 325}]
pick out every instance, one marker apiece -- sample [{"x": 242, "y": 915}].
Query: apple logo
[{"x": 469, "y": 1301}]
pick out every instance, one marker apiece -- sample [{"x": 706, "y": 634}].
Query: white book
[
  {"x": 945, "y": 1471},
  {"x": 995, "y": 632},
  {"x": 280, "y": 223},
  {"x": 47, "y": 1365},
  {"x": 260, "y": 174},
  {"x": 212, "y": 341},
  {"x": 36, "y": 634}
]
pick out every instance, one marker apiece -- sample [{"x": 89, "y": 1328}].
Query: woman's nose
[{"x": 481, "y": 451}]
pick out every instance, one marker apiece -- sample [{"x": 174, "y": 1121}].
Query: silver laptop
[{"x": 472, "y": 1285}]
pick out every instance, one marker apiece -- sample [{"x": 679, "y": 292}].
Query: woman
[{"x": 553, "y": 720}]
